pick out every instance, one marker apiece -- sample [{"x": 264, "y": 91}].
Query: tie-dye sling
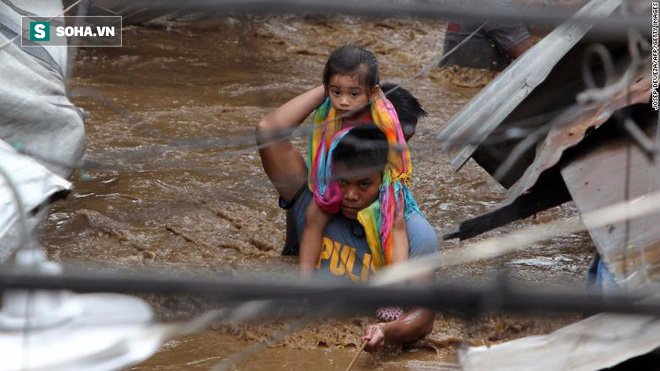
[{"x": 378, "y": 218}]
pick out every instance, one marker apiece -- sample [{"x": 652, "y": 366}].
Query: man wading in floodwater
[{"x": 359, "y": 163}]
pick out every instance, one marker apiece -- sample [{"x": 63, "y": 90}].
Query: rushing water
[{"x": 181, "y": 186}]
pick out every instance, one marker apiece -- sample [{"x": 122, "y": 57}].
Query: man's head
[
  {"x": 407, "y": 108},
  {"x": 350, "y": 77},
  {"x": 358, "y": 162}
]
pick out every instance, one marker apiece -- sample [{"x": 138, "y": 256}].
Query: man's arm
[
  {"x": 417, "y": 322},
  {"x": 409, "y": 327},
  {"x": 519, "y": 49},
  {"x": 282, "y": 162}
]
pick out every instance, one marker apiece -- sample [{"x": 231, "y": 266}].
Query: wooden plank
[
  {"x": 597, "y": 179},
  {"x": 547, "y": 193}
]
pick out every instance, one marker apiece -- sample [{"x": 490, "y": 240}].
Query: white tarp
[
  {"x": 597, "y": 342},
  {"x": 35, "y": 113},
  {"x": 99, "y": 332},
  {"x": 34, "y": 184}
]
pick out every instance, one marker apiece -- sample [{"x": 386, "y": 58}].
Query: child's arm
[
  {"x": 400, "y": 245},
  {"x": 312, "y": 239}
]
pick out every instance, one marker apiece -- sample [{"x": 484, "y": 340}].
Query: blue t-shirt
[{"x": 345, "y": 250}]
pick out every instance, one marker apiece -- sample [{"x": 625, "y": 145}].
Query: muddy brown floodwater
[{"x": 182, "y": 187}]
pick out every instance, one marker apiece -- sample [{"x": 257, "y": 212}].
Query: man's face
[{"x": 359, "y": 188}]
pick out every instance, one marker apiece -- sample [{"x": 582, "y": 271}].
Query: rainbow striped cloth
[{"x": 378, "y": 218}]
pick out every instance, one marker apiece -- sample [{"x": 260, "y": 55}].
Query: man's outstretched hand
[
  {"x": 374, "y": 336},
  {"x": 411, "y": 326}
]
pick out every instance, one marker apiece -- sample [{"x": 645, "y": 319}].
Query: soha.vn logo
[{"x": 39, "y": 31}]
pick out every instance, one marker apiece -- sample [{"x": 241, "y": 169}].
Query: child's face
[
  {"x": 347, "y": 94},
  {"x": 359, "y": 187}
]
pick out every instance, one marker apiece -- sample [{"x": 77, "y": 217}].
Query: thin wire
[
  {"x": 357, "y": 297},
  {"x": 284, "y": 134},
  {"x": 498, "y": 246},
  {"x": 421, "y": 151},
  {"x": 435, "y": 63},
  {"x": 158, "y": 150},
  {"x": 292, "y": 328},
  {"x": 255, "y": 348},
  {"x": 419, "y": 9}
]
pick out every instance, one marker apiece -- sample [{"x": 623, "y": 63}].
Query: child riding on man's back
[
  {"x": 353, "y": 249},
  {"x": 350, "y": 79}
]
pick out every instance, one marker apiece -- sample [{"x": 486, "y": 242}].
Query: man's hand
[
  {"x": 409, "y": 327},
  {"x": 374, "y": 335}
]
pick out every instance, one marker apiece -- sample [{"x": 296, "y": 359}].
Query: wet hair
[
  {"x": 352, "y": 60},
  {"x": 364, "y": 146},
  {"x": 407, "y": 107}
]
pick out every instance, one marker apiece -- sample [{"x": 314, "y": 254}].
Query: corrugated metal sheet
[
  {"x": 527, "y": 196},
  {"x": 567, "y": 135}
]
